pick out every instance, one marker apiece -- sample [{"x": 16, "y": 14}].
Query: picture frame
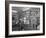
[{"x": 13, "y": 7}]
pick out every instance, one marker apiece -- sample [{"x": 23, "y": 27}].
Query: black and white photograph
[{"x": 25, "y": 18}]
